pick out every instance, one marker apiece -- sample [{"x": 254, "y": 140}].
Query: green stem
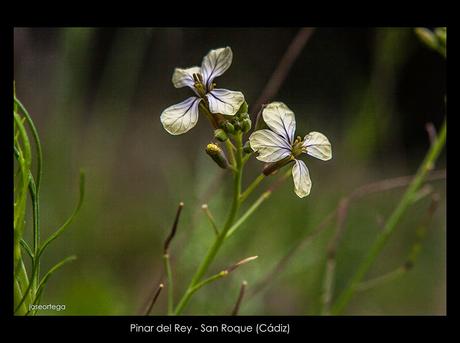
[
  {"x": 34, "y": 195},
  {"x": 251, "y": 187},
  {"x": 328, "y": 286},
  {"x": 230, "y": 152},
  {"x": 20, "y": 308},
  {"x": 24, "y": 159},
  {"x": 208, "y": 280},
  {"x": 221, "y": 237},
  {"x": 52, "y": 238},
  {"x": 43, "y": 282},
  {"x": 36, "y": 226},
  {"x": 37, "y": 142},
  {"x": 249, "y": 212},
  {"x": 26, "y": 293},
  {"x": 208, "y": 114},
  {"x": 190, "y": 291},
  {"x": 167, "y": 266},
  {"x": 365, "y": 285},
  {"x": 405, "y": 202},
  {"x": 211, "y": 219},
  {"x": 246, "y": 157}
]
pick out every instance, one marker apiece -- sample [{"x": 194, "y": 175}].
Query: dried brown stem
[
  {"x": 239, "y": 263},
  {"x": 173, "y": 229},
  {"x": 431, "y": 130},
  {"x": 282, "y": 70},
  {"x": 237, "y": 306},
  {"x": 154, "y": 299}
]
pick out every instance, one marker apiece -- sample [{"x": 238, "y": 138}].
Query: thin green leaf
[
  {"x": 23, "y": 155},
  {"x": 53, "y": 237},
  {"x": 36, "y": 139},
  {"x": 50, "y": 272},
  {"x": 27, "y": 248},
  {"x": 59, "y": 231}
]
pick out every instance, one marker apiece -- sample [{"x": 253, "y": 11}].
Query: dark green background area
[{"x": 96, "y": 96}]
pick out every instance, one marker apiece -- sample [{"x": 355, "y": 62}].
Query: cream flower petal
[
  {"x": 224, "y": 101},
  {"x": 317, "y": 145},
  {"x": 301, "y": 176},
  {"x": 270, "y": 146},
  {"x": 215, "y": 63},
  {"x": 184, "y": 77},
  {"x": 178, "y": 119},
  {"x": 280, "y": 119}
]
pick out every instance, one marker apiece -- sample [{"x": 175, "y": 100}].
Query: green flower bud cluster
[
  {"x": 239, "y": 122},
  {"x": 220, "y": 135}
]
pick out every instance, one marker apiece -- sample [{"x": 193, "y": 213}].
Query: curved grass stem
[
  {"x": 390, "y": 226},
  {"x": 248, "y": 213},
  {"x": 251, "y": 187}
]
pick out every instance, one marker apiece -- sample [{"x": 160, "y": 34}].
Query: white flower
[
  {"x": 278, "y": 144},
  {"x": 180, "y": 118}
]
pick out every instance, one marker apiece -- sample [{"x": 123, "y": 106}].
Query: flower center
[
  {"x": 199, "y": 86},
  {"x": 297, "y": 147}
]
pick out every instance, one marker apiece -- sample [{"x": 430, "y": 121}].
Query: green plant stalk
[
  {"x": 29, "y": 288},
  {"x": 328, "y": 286},
  {"x": 230, "y": 152},
  {"x": 170, "y": 285},
  {"x": 190, "y": 291},
  {"x": 410, "y": 261},
  {"x": 208, "y": 114},
  {"x": 34, "y": 191},
  {"x": 249, "y": 212},
  {"x": 20, "y": 309},
  {"x": 24, "y": 158},
  {"x": 26, "y": 247},
  {"x": 211, "y": 220},
  {"x": 36, "y": 228},
  {"x": 365, "y": 285},
  {"x": 42, "y": 284},
  {"x": 22, "y": 282},
  {"x": 51, "y": 238},
  {"x": 221, "y": 237},
  {"x": 251, "y": 187},
  {"x": 39, "y": 167},
  {"x": 404, "y": 203}
]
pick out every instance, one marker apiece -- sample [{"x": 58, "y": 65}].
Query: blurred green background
[{"x": 96, "y": 95}]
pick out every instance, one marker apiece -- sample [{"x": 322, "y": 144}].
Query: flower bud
[
  {"x": 246, "y": 125},
  {"x": 228, "y": 127},
  {"x": 217, "y": 155},
  {"x": 243, "y": 108},
  {"x": 247, "y": 148},
  {"x": 220, "y": 135},
  {"x": 245, "y": 116},
  {"x": 237, "y": 125}
]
